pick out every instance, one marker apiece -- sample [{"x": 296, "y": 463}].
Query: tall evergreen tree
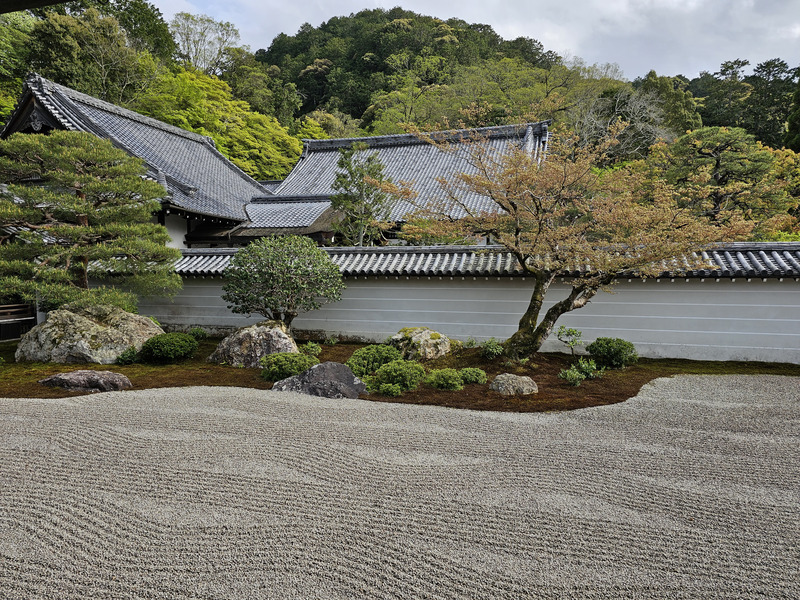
[{"x": 75, "y": 207}]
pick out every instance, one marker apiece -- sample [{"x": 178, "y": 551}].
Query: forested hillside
[{"x": 379, "y": 72}]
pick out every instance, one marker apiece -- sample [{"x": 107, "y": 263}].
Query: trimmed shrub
[
  {"x": 572, "y": 376},
  {"x": 491, "y": 349},
  {"x": 405, "y": 373},
  {"x": 472, "y": 375},
  {"x": 168, "y": 348},
  {"x": 390, "y": 389},
  {"x": 445, "y": 379},
  {"x": 613, "y": 353},
  {"x": 128, "y": 357},
  {"x": 311, "y": 349},
  {"x": 281, "y": 365},
  {"x": 198, "y": 333},
  {"x": 369, "y": 359}
]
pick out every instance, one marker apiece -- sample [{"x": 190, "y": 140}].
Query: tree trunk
[{"x": 531, "y": 335}]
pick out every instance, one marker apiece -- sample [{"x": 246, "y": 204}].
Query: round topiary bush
[
  {"x": 369, "y": 359},
  {"x": 405, "y": 373},
  {"x": 281, "y": 365},
  {"x": 614, "y": 353},
  {"x": 168, "y": 348},
  {"x": 445, "y": 379},
  {"x": 128, "y": 357},
  {"x": 472, "y": 375}
]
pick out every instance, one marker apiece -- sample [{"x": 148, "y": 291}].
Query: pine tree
[{"x": 76, "y": 208}]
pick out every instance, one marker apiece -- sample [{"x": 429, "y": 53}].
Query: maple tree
[{"x": 564, "y": 217}]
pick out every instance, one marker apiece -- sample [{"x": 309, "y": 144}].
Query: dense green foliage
[
  {"x": 281, "y": 365},
  {"x": 407, "y": 374},
  {"x": 377, "y": 71},
  {"x": 168, "y": 348},
  {"x": 359, "y": 196},
  {"x": 280, "y": 277},
  {"x": 369, "y": 359},
  {"x": 202, "y": 103},
  {"x": 613, "y": 353},
  {"x": 73, "y": 200},
  {"x": 472, "y": 375},
  {"x": 445, "y": 379}
]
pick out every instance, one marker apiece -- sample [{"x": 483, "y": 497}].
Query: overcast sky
[{"x": 671, "y": 36}]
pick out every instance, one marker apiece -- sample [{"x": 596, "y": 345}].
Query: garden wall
[{"x": 725, "y": 319}]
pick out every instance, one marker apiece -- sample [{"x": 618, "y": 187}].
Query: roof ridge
[
  {"x": 47, "y": 86},
  {"x": 404, "y": 139},
  {"x": 275, "y": 199}
]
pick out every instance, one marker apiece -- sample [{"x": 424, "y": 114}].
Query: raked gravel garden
[{"x": 688, "y": 490}]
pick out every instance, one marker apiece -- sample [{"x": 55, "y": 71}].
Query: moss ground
[{"x": 20, "y": 380}]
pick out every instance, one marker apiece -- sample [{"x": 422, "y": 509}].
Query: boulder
[
  {"x": 328, "y": 379},
  {"x": 94, "y": 334},
  {"x": 509, "y": 384},
  {"x": 420, "y": 343},
  {"x": 89, "y": 381},
  {"x": 245, "y": 347}
]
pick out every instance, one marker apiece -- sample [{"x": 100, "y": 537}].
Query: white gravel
[{"x": 689, "y": 490}]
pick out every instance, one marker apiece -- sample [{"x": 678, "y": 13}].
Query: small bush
[
  {"x": 281, "y": 365},
  {"x": 470, "y": 343},
  {"x": 128, "y": 357},
  {"x": 570, "y": 337},
  {"x": 198, "y": 333},
  {"x": 405, "y": 373},
  {"x": 311, "y": 349},
  {"x": 369, "y": 359},
  {"x": 472, "y": 375},
  {"x": 491, "y": 349},
  {"x": 445, "y": 379},
  {"x": 331, "y": 340},
  {"x": 613, "y": 353},
  {"x": 572, "y": 376},
  {"x": 168, "y": 348},
  {"x": 589, "y": 369},
  {"x": 390, "y": 389}
]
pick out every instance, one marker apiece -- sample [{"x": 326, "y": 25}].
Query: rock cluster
[
  {"x": 509, "y": 384},
  {"x": 245, "y": 347},
  {"x": 94, "y": 334},
  {"x": 420, "y": 343},
  {"x": 89, "y": 381},
  {"x": 328, "y": 379}
]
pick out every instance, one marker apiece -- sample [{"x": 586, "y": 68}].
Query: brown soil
[{"x": 21, "y": 380}]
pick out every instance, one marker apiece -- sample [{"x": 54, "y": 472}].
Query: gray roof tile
[
  {"x": 200, "y": 179},
  {"x": 286, "y": 212},
  {"x": 408, "y": 158},
  {"x": 741, "y": 259}
]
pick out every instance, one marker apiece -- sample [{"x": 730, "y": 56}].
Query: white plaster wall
[
  {"x": 711, "y": 320},
  {"x": 176, "y": 228}
]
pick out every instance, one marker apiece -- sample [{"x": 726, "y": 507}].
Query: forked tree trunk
[{"x": 532, "y": 332}]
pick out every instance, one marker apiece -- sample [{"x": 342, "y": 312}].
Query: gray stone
[
  {"x": 95, "y": 334},
  {"x": 328, "y": 379},
  {"x": 420, "y": 343},
  {"x": 509, "y": 384},
  {"x": 247, "y": 346},
  {"x": 89, "y": 381}
]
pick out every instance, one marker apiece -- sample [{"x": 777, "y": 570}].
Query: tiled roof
[
  {"x": 199, "y": 178},
  {"x": 408, "y": 158},
  {"x": 286, "y": 212},
  {"x": 741, "y": 259}
]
